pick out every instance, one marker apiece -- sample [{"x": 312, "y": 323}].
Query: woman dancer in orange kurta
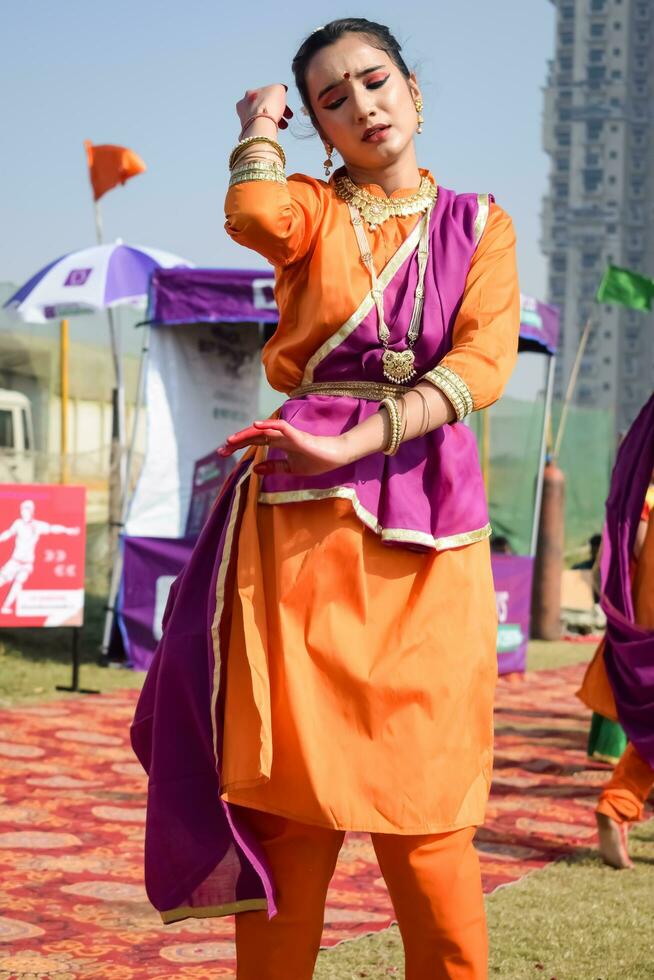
[
  {"x": 361, "y": 665},
  {"x": 351, "y": 662}
]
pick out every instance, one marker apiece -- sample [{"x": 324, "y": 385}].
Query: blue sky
[{"x": 163, "y": 78}]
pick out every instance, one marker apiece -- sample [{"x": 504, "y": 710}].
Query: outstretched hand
[{"x": 305, "y": 454}]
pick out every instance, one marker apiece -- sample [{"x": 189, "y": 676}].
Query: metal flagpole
[
  {"x": 117, "y": 476},
  {"x": 583, "y": 340},
  {"x": 547, "y": 415},
  {"x": 98, "y": 221}
]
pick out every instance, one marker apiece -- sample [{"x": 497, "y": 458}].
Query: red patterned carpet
[{"x": 71, "y": 826}]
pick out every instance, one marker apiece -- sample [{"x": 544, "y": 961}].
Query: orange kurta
[{"x": 360, "y": 678}]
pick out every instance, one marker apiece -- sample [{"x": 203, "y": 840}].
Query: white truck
[{"x": 16, "y": 438}]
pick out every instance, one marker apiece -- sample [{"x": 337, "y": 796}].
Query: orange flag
[{"x": 110, "y": 166}]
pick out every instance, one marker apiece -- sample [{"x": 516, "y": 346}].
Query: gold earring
[
  {"x": 419, "y": 105},
  {"x": 328, "y": 162}
]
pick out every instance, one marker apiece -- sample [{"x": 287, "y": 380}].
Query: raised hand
[
  {"x": 305, "y": 454},
  {"x": 267, "y": 101}
]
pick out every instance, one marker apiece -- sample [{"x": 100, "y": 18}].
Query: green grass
[
  {"x": 542, "y": 655},
  {"x": 575, "y": 920},
  {"x": 34, "y": 661}
]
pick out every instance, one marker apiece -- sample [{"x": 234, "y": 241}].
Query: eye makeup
[{"x": 374, "y": 81}]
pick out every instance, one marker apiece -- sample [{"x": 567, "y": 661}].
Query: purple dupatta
[
  {"x": 200, "y": 860},
  {"x": 629, "y": 648}
]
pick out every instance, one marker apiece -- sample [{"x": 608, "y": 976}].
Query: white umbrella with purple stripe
[
  {"x": 92, "y": 279},
  {"x": 99, "y": 278}
]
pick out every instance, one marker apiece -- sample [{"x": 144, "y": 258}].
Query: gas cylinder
[{"x": 548, "y": 564}]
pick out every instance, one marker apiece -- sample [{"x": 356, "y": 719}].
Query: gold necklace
[
  {"x": 398, "y": 365},
  {"x": 375, "y": 209}
]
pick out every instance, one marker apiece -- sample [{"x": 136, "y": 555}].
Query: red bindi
[{"x": 346, "y": 74}]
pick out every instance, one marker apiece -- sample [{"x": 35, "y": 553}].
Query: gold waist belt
[{"x": 371, "y": 391}]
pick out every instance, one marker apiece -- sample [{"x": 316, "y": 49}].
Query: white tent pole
[
  {"x": 117, "y": 566},
  {"x": 547, "y": 415},
  {"x": 116, "y": 350}
]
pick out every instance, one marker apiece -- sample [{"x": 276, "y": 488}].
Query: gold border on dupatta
[
  {"x": 483, "y": 209},
  {"x": 220, "y": 603},
  {"x": 366, "y": 305},
  {"x": 399, "y": 534},
  {"x": 212, "y": 911}
]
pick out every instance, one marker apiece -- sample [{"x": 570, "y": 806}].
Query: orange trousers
[
  {"x": 434, "y": 883},
  {"x": 624, "y": 796}
]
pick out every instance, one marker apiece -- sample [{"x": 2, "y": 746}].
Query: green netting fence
[{"x": 514, "y": 430}]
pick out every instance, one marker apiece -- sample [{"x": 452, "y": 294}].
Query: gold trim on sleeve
[
  {"x": 483, "y": 209},
  {"x": 453, "y": 387},
  {"x": 210, "y": 911},
  {"x": 398, "y": 534},
  {"x": 337, "y": 338}
]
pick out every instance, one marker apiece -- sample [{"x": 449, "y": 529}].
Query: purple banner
[
  {"x": 152, "y": 564},
  {"x": 212, "y": 296},
  {"x": 539, "y": 325},
  {"x": 150, "y": 567},
  {"x": 183, "y": 295},
  {"x": 512, "y": 575}
]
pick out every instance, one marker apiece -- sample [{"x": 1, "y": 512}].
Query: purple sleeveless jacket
[{"x": 431, "y": 494}]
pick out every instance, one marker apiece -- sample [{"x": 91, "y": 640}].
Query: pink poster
[{"x": 42, "y": 541}]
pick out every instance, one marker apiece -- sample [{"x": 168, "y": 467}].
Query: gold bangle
[
  {"x": 395, "y": 437},
  {"x": 237, "y": 156},
  {"x": 453, "y": 387},
  {"x": 249, "y": 141},
  {"x": 265, "y": 166},
  {"x": 247, "y": 172},
  {"x": 425, "y": 420}
]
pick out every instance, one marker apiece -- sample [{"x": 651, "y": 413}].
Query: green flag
[{"x": 625, "y": 287}]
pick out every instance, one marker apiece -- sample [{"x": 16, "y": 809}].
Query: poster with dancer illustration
[{"x": 42, "y": 541}]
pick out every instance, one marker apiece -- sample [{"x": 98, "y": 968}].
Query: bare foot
[{"x": 613, "y": 839}]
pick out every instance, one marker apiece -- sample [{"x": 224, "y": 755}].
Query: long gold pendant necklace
[{"x": 398, "y": 366}]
